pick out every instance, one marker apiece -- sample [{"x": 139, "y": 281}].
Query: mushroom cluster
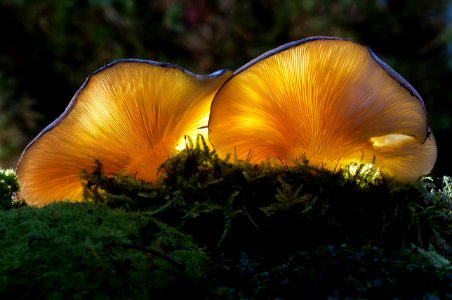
[{"x": 329, "y": 100}]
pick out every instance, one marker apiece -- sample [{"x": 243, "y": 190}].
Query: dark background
[{"x": 49, "y": 47}]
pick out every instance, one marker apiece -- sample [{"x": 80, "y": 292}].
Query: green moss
[
  {"x": 344, "y": 272},
  {"x": 86, "y": 250},
  {"x": 211, "y": 228},
  {"x": 8, "y": 187},
  {"x": 197, "y": 190}
]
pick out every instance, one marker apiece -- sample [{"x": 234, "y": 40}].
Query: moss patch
[
  {"x": 215, "y": 229},
  {"x": 69, "y": 250}
]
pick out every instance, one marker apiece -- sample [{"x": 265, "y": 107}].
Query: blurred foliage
[
  {"x": 51, "y": 47},
  {"x": 16, "y": 119}
]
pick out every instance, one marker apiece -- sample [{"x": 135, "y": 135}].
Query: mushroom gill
[
  {"x": 131, "y": 115},
  {"x": 330, "y": 100}
]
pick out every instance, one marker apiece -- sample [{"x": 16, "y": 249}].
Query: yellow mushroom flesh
[
  {"x": 329, "y": 100},
  {"x": 130, "y": 115}
]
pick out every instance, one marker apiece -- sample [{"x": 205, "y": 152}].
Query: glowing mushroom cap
[
  {"x": 131, "y": 115},
  {"x": 330, "y": 100}
]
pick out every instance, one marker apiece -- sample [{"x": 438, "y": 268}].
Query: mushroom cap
[
  {"x": 330, "y": 100},
  {"x": 130, "y": 115}
]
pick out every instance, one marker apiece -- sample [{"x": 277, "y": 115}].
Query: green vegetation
[
  {"x": 220, "y": 230},
  {"x": 8, "y": 187},
  {"x": 88, "y": 251},
  {"x": 211, "y": 228}
]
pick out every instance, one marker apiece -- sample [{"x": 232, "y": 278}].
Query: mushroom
[
  {"x": 329, "y": 100},
  {"x": 130, "y": 115}
]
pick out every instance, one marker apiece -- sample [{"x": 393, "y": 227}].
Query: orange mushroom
[
  {"x": 330, "y": 100},
  {"x": 131, "y": 115}
]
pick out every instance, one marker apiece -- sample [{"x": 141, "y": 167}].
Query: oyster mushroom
[
  {"x": 329, "y": 100},
  {"x": 131, "y": 115}
]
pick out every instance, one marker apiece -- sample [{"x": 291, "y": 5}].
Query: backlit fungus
[
  {"x": 131, "y": 115},
  {"x": 329, "y": 100}
]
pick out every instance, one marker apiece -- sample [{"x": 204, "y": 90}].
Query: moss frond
[
  {"x": 212, "y": 199},
  {"x": 9, "y": 186}
]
